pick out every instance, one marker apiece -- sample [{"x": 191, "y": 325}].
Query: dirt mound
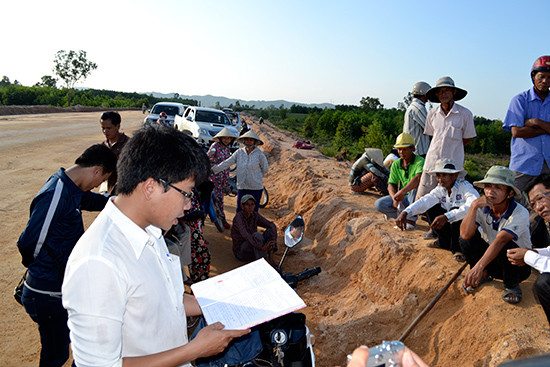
[
  {"x": 26, "y": 110},
  {"x": 376, "y": 280}
]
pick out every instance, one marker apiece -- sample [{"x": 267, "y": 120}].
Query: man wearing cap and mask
[
  {"x": 528, "y": 119},
  {"x": 403, "y": 181},
  {"x": 415, "y": 118},
  {"x": 248, "y": 243},
  {"x": 252, "y": 166},
  {"x": 495, "y": 224},
  {"x": 450, "y": 125},
  {"x": 446, "y": 206}
]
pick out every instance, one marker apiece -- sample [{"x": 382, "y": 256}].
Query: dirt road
[{"x": 375, "y": 280}]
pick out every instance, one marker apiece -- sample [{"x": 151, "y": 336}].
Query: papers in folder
[{"x": 246, "y": 296}]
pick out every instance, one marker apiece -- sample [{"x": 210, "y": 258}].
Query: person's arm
[
  {"x": 227, "y": 163},
  {"x": 263, "y": 163},
  {"x": 470, "y": 194},
  {"x": 539, "y": 124},
  {"x": 265, "y": 223},
  {"x": 191, "y": 305},
  {"x": 526, "y": 132},
  {"x": 240, "y": 227},
  {"x": 392, "y": 190},
  {"x": 466, "y": 141},
  {"x": 475, "y": 274},
  {"x": 468, "y": 227},
  {"x": 413, "y": 184},
  {"x": 420, "y": 206},
  {"x": 93, "y": 202}
]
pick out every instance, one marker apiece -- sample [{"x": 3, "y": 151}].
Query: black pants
[
  {"x": 542, "y": 291},
  {"x": 449, "y": 234},
  {"x": 500, "y": 268}
]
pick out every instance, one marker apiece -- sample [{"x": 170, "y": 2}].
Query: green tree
[
  {"x": 371, "y": 104},
  {"x": 407, "y": 100},
  {"x": 47, "y": 81},
  {"x": 71, "y": 67},
  {"x": 176, "y": 96},
  {"x": 5, "y": 81}
]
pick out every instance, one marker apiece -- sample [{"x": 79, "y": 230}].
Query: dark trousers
[
  {"x": 257, "y": 196},
  {"x": 500, "y": 268},
  {"x": 51, "y": 317},
  {"x": 542, "y": 291},
  {"x": 247, "y": 252},
  {"x": 448, "y": 235}
]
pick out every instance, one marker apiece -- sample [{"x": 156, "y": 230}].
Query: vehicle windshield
[
  {"x": 169, "y": 110},
  {"x": 212, "y": 117}
]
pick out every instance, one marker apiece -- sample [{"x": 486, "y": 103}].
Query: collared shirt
[
  {"x": 243, "y": 228},
  {"x": 514, "y": 221},
  {"x": 415, "y": 122},
  {"x": 116, "y": 148},
  {"x": 251, "y": 168},
  {"x": 400, "y": 175},
  {"x": 123, "y": 292},
  {"x": 540, "y": 260},
  {"x": 448, "y": 132},
  {"x": 456, "y": 204},
  {"x": 528, "y": 154}
]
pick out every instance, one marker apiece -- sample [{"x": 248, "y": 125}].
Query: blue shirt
[{"x": 528, "y": 154}]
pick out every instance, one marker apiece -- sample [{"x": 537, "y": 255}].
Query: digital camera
[{"x": 389, "y": 353}]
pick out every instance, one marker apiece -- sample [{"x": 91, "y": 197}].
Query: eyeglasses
[
  {"x": 188, "y": 195},
  {"x": 538, "y": 200}
]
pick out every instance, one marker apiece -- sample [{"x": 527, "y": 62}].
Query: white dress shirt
[
  {"x": 123, "y": 292},
  {"x": 540, "y": 261}
]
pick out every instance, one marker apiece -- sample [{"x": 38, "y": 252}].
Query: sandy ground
[{"x": 375, "y": 280}]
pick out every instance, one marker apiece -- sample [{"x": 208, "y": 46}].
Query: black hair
[
  {"x": 298, "y": 222},
  {"x": 98, "y": 155},
  {"x": 160, "y": 152},
  {"x": 542, "y": 179},
  {"x": 111, "y": 115}
]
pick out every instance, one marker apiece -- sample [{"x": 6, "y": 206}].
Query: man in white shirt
[
  {"x": 415, "y": 118},
  {"x": 539, "y": 198},
  {"x": 122, "y": 289}
]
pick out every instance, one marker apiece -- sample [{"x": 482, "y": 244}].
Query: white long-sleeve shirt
[
  {"x": 251, "y": 168},
  {"x": 461, "y": 197},
  {"x": 540, "y": 260}
]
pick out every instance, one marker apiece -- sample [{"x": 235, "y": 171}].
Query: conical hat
[
  {"x": 225, "y": 132},
  {"x": 251, "y": 134}
]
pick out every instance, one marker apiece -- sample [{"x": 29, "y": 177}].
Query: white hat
[
  {"x": 446, "y": 165},
  {"x": 251, "y": 134}
]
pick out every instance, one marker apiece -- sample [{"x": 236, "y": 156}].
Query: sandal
[
  {"x": 459, "y": 257},
  {"x": 482, "y": 280},
  {"x": 434, "y": 244},
  {"x": 509, "y": 293},
  {"x": 429, "y": 235}
]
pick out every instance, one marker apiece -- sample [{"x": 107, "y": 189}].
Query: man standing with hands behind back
[{"x": 114, "y": 140}]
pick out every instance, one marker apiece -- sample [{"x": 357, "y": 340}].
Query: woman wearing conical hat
[{"x": 251, "y": 167}]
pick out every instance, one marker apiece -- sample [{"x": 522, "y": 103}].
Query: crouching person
[
  {"x": 445, "y": 206},
  {"x": 248, "y": 243},
  {"x": 123, "y": 291},
  {"x": 366, "y": 174},
  {"x": 503, "y": 225},
  {"x": 404, "y": 179}
]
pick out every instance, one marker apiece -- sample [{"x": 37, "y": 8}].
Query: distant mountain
[{"x": 210, "y": 101}]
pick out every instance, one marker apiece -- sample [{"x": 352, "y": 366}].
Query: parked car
[
  {"x": 203, "y": 123},
  {"x": 172, "y": 109}
]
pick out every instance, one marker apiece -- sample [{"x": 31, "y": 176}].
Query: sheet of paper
[{"x": 246, "y": 296}]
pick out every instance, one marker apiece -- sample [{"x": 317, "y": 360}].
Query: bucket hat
[
  {"x": 247, "y": 197},
  {"x": 251, "y": 134},
  {"x": 501, "y": 176},
  {"x": 404, "y": 140},
  {"x": 446, "y": 165},
  {"x": 445, "y": 81},
  {"x": 224, "y": 133}
]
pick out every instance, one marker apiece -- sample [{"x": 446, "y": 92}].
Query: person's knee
[{"x": 542, "y": 285}]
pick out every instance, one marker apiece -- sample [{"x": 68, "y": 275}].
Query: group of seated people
[{"x": 490, "y": 231}]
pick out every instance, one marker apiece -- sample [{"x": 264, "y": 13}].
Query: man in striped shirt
[{"x": 415, "y": 118}]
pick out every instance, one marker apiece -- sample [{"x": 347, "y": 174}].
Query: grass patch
[{"x": 477, "y": 164}]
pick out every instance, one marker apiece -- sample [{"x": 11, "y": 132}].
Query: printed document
[{"x": 246, "y": 296}]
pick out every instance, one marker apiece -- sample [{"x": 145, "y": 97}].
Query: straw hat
[
  {"x": 445, "y": 81},
  {"x": 501, "y": 176},
  {"x": 251, "y": 134},
  {"x": 446, "y": 165},
  {"x": 224, "y": 133}
]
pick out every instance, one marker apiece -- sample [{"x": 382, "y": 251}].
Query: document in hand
[{"x": 246, "y": 296}]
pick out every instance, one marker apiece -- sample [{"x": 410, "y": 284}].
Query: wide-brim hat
[
  {"x": 224, "y": 133},
  {"x": 251, "y": 134},
  {"x": 499, "y": 175},
  {"x": 375, "y": 154},
  {"x": 445, "y": 81},
  {"x": 446, "y": 165}
]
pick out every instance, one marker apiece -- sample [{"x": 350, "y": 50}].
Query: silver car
[
  {"x": 172, "y": 109},
  {"x": 204, "y": 123}
]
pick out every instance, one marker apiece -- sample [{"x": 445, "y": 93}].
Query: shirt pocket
[{"x": 454, "y": 133}]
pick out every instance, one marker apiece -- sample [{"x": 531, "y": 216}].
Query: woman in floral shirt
[{"x": 219, "y": 152}]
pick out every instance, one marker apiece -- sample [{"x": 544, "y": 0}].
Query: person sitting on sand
[
  {"x": 365, "y": 174},
  {"x": 404, "y": 178},
  {"x": 248, "y": 243},
  {"x": 445, "y": 206},
  {"x": 495, "y": 224}
]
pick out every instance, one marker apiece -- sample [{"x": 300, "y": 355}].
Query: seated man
[
  {"x": 248, "y": 243},
  {"x": 445, "y": 206},
  {"x": 365, "y": 174},
  {"x": 122, "y": 289},
  {"x": 495, "y": 224},
  {"x": 538, "y": 258},
  {"x": 404, "y": 178}
]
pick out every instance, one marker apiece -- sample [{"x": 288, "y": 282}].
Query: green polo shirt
[{"x": 399, "y": 174}]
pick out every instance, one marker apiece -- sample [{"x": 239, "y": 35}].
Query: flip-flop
[
  {"x": 459, "y": 257},
  {"x": 512, "y": 292},
  {"x": 434, "y": 244},
  {"x": 482, "y": 280},
  {"x": 428, "y": 235}
]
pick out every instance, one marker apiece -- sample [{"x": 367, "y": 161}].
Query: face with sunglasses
[{"x": 539, "y": 198}]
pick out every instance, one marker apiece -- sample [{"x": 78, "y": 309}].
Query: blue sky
[{"x": 300, "y": 51}]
